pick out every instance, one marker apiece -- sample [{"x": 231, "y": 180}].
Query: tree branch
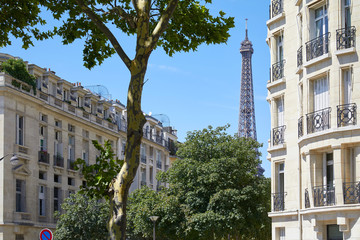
[
  {"x": 163, "y": 23},
  {"x": 126, "y": 16},
  {"x": 103, "y": 28}
]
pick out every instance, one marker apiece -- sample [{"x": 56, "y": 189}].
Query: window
[
  {"x": 43, "y": 136},
  {"x": 281, "y": 178},
  {"x": 43, "y": 117},
  {"x": 321, "y": 21},
  {"x": 19, "y": 130},
  {"x": 85, "y": 153},
  {"x": 158, "y": 159},
  {"x": 143, "y": 176},
  {"x": 71, "y": 181},
  {"x": 58, "y": 123},
  {"x": 20, "y": 196},
  {"x": 85, "y": 133},
  {"x": 71, "y": 148},
  {"x": 279, "y": 49},
  {"x": 42, "y": 206},
  {"x": 281, "y": 233},
  {"x": 280, "y": 111},
  {"x": 151, "y": 152},
  {"x": 347, "y": 14},
  {"x": 57, "y": 178},
  {"x": 42, "y": 175},
  {"x": 333, "y": 232},
  {"x": 19, "y": 237},
  {"x": 71, "y": 128},
  {"x": 151, "y": 175},
  {"x": 329, "y": 170},
  {"x": 57, "y": 199},
  {"x": 320, "y": 94},
  {"x": 347, "y": 86}
]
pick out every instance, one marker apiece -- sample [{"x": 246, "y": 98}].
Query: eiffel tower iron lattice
[{"x": 247, "y": 125}]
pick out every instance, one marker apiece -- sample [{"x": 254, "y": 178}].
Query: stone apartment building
[
  {"x": 313, "y": 91},
  {"x": 48, "y": 130}
]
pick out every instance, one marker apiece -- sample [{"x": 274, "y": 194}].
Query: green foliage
[
  {"x": 214, "y": 192},
  {"x": 98, "y": 176},
  {"x": 17, "y": 69},
  {"x": 191, "y": 24},
  {"x": 83, "y": 218},
  {"x": 144, "y": 203}
]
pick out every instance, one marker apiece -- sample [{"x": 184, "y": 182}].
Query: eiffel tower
[{"x": 247, "y": 125}]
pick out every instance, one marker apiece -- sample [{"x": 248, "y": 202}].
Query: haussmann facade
[
  {"x": 314, "y": 91},
  {"x": 48, "y": 130}
]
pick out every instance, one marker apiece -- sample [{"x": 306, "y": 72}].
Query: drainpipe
[{"x": 300, "y": 199}]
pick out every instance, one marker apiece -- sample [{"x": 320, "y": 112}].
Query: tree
[
  {"x": 99, "y": 175},
  {"x": 83, "y": 218},
  {"x": 174, "y": 25},
  {"x": 217, "y": 187}
]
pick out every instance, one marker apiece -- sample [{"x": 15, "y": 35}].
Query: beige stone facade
[
  {"x": 48, "y": 130},
  {"x": 313, "y": 93}
]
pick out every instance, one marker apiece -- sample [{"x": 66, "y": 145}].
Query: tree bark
[{"x": 135, "y": 123}]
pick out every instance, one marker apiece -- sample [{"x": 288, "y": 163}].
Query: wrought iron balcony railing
[
  {"x": 58, "y": 161},
  {"x": 345, "y": 38},
  {"x": 143, "y": 158},
  {"x": 301, "y": 127},
  {"x": 276, "y": 7},
  {"x": 324, "y": 195},
  {"x": 351, "y": 192},
  {"x": 300, "y": 57},
  {"x": 86, "y": 104},
  {"x": 278, "y": 135},
  {"x": 307, "y": 199},
  {"x": 317, "y": 47},
  {"x": 346, "y": 114},
  {"x": 278, "y": 201},
  {"x": 71, "y": 164},
  {"x": 58, "y": 91},
  {"x": 158, "y": 139},
  {"x": 318, "y": 120},
  {"x": 278, "y": 70},
  {"x": 43, "y": 157},
  {"x": 72, "y": 98}
]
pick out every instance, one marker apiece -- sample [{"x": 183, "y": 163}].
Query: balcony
[
  {"x": 44, "y": 84},
  {"x": 276, "y": 8},
  {"x": 278, "y": 70},
  {"x": 318, "y": 120},
  {"x": 86, "y": 104},
  {"x": 71, "y": 164},
  {"x": 43, "y": 157},
  {"x": 278, "y": 135},
  {"x": 345, "y": 38},
  {"x": 99, "y": 110},
  {"x": 142, "y": 183},
  {"x": 58, "y": 91},
  {"x": 158, "y": 139},
  {"x": 300, "y": 127},
  {"x": 72, "y": 98},
  {"x": 58, "y": 161},
  {"x": 317, "y": 47},
  {"x": 143, "y": 158},
  {"x": 278, "y": 201},
  {"x": 324, "y": 195},
  {"x": 300, "y": 57},
  {"x": 351, "y": 192},
  {"x": 346, "y": 114}
]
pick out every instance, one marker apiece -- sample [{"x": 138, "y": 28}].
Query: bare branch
[
  {"x": 102, "y": 27},
  {"x": 163, "y": 23}
]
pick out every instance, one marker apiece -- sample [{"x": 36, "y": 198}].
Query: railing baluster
[{"x": 345, "y": 38}]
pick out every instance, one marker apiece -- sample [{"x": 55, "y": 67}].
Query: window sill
[
  {"x": 275, "y": 83},
  {"x": 345, "y": 51},
  {"x": 317, "y": 60},
  {"x": 299, "y": 69},
  {"x": 275, "y": 19},
  {"x": 277, "y": 147}
]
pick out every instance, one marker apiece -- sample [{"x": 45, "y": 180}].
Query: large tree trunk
[{"x": 135, "y": 123}]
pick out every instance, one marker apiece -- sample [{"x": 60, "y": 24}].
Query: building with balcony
[
  {"x": 314, "y": 145},
  {"x": 48, "y": 129}
]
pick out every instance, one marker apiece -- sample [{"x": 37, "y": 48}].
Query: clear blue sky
[{"x": 193, "y": 89}]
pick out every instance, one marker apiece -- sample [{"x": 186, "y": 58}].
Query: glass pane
[{"x": 333, "y": 232}]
